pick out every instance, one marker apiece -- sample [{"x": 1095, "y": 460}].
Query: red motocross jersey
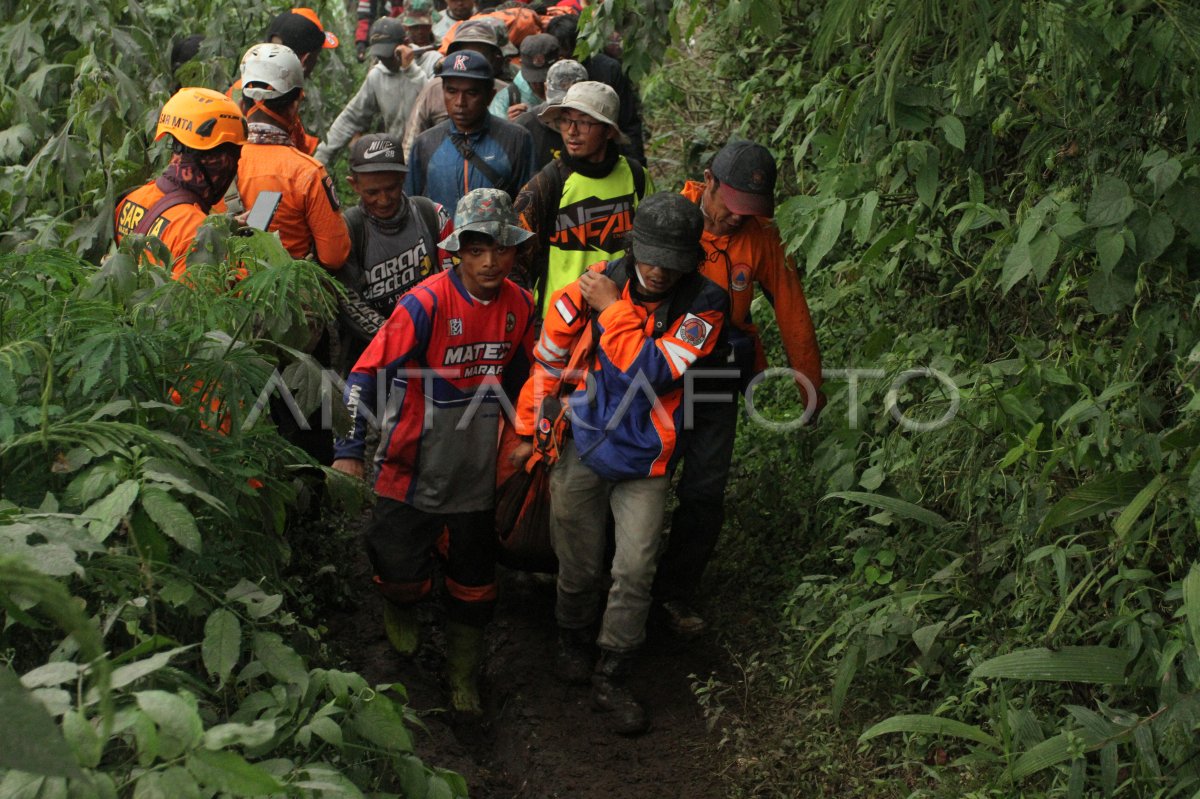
[{"x": 432, "y": 377}]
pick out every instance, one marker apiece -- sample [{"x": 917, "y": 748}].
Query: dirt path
[{"x": 539, "y": 738}]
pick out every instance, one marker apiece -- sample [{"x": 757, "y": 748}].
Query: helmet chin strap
[{"x": 259, "y": 105}]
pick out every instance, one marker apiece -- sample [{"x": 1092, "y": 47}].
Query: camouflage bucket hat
[{"x": 487, "y": 211}]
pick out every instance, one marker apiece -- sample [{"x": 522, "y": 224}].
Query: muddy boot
[
  {"x": 610, "y": 694},
  {"x": 402, "y": 627},
  {"x": 574, "y": 658},
  {"x": 464, "y": 659}
]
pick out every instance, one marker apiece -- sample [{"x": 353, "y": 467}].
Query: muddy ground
[{"x": 539, "y": 738}]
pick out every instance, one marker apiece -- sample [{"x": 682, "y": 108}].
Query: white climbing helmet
[{"x": 270, "y": 71}]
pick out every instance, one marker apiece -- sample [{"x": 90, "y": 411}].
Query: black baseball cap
[
  {"x": 377, "y": 152},
  {"x": 297, "y": 32},
  {"x": 538, "y": 52},
  {"x": 467, "y": 64},
  {"x": 747, "y": 174},
  {"x": 386, "y": 33}
]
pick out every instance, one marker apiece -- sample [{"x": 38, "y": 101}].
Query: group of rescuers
[{"x": 562, "y": 278}]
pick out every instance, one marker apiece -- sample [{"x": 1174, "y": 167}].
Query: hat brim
[
  {"x": 534, "y": 75},
  {"x": 505, "y": 235},
  {"x": 667, "y": 257},
  {"x": 553, "y": 112},
  {"x": 331, "y": 41},
  {"x": 743, "y": 203},
  {"x": 392, "y": 167},
  {"x": 384, "y": 49}
]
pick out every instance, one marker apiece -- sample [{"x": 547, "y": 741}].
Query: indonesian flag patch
[
  {"x": 566, "y": 309},
  {"x": 693, "y": 330}
]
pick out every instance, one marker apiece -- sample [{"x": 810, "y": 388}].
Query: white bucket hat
[{"x": 597, "y": 100}]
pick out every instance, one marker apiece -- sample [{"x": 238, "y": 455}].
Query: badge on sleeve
[
  {"x": 566, "y": 309},
  {"x": 327, "y": 182},
  {"x": 693, "y": 330}
]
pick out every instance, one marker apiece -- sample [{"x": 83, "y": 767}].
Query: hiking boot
[
  {"x": 574, "y": 658},
  {"x": 402, "y": 628},
  {"x": 682, "y": 618},
  {"x": 610, "y": 694},
  {"x": 464, "y": 659}
]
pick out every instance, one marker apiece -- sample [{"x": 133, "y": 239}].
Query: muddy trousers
[
  {"x": 402, "y": 542},
  {"x": 707, "y": 452},
  {"x": 579, "y": 504}
]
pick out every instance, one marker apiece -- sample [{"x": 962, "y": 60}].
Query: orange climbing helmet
[{"x": 201, "y": 119}]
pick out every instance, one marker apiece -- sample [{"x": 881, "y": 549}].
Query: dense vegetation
[
  {"x": 1007, "y": 193},
  {"x": 1005, "y": 602}
]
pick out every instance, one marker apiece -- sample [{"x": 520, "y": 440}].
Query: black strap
[
  {"x": 171, "y": 198},
  {"x": 358, "y": 233},
  {"x": 427, "y": 213},
  {"x": 468, "y": 153}
]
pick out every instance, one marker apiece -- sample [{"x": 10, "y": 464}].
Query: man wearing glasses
[{"x": 580, "y": 206}]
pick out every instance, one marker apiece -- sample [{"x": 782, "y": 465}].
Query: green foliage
[
  {"x": 149, "y": 639},
  {"x": 1005, "y": 193},
  {"x": 82, "y": 90}
]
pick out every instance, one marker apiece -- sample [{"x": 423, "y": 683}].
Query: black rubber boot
[
  {"x": 610, "y": 694},
  {"x": 574, "y": 659}
]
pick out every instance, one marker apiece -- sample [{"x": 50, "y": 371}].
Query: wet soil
[{"x": 539, "y": 738}]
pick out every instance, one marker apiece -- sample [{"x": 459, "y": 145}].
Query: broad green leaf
[
  {"x": 326, "y": 729},
  {"x": 172, "y": 518},
  {"x": 126, "y": 675},
  {"x": 1137, "y": 505},
  {"x": 927, "y": 179},
  {"x": 29, "y": 738},
  {"x": 83, "y": 738},
  {"x": 828, "y": 229},
  {"x": 1100, "y": 495},
  {"x": 952, "y": 128},
  {"x": 1091, "y": 664},
  {"x": 851, "y": 660},
  {"x": 866, "y": 216},
  {"x": 256, "y": 733},
  {"x": 231, "y": 773},
  {"x": 1042, "y": 252},
  {"x": 178, "y": 721},
  {"x": 1163, "y": 176},
  {"x": 378, "y": 722},
  {"x": 1110, "y": 203},
  {"x": 1017, "y": 266},
  {"x": 330, "y": 781},
  {"x": 931, "y": 725},
  {"x": 894, "y": 505},
  {"x": 108, "y": 512},
  {"x": 1110, "y": 246},
  {"x": 924, "y": 637},
  {"x": 1048, "y": 753},
  {"x": 222, "y": 643},
  {"x": 279, "y": 659},
  {"x": 1191, "y": 604},
  {"x": 50, "y": 674},
  {"x": 1159, "y": 234}
]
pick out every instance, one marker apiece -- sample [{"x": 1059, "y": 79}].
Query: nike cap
[{"x": 377, "y": 152}]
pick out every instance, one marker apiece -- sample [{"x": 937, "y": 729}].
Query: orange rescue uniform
[
  {"x": 754, "y": 254},
  {"x": 308, "y": 218},
  {"x": 176, "y": 227}
]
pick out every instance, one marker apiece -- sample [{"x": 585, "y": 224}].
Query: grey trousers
[{"x": 579, "y": 503}]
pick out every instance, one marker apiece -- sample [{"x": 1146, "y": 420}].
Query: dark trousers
[
  {"x": 707, "y": 451},
  {"x": 402, "y": 542}
]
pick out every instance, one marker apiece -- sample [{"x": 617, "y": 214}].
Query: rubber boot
[
  {"x": 402, "y": 627},
  {"x": 574, "y": 659},
  {"x": 610, "y": 694},
  {"x": 464, "y": 659}
]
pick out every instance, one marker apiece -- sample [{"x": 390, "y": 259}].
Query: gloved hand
[{"x": 360, "y": 50}]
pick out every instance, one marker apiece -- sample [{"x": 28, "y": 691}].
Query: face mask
[{"x": 205, "y": 173}]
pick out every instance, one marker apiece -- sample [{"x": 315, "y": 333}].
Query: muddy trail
[{"x": 539, "y": 738}]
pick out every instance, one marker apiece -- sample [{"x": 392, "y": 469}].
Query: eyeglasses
[{"x": 584, "y": 125}]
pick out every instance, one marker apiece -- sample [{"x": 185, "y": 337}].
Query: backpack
[{"x": 426, "y": 214}]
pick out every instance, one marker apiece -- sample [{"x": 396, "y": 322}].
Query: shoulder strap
[
  {"x": 175, "y": 196},
  {"x": 428, "y": 215},
  {"x": 358, "y": 231},
  {"x": 468, "y": 153},
  {"x": 639, "y": 178}
]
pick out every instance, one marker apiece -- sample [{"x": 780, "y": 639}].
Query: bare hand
[
  {"x": 405, "y": 54},
  {"x": 520, "y": 454},
  {"x": 516, "y": 110},
  {"x": 598, "y": 291},
  {"x": 350, "y": 466}
]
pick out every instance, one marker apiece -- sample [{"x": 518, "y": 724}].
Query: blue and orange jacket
[
  {"x": 440, "y": 358},
  {"x": 627, "y": 406}
]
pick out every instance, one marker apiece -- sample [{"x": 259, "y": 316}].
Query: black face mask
[{"x": 205, "y": 173}]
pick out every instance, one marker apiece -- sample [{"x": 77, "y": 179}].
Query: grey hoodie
[{"x": 384, "y": 94}]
